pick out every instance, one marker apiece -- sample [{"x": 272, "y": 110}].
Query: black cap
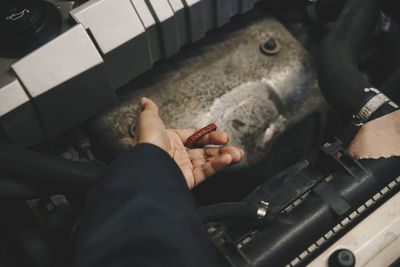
[
  {"x": 26, "y": 25},
  {"x": 342, "y": 258}
]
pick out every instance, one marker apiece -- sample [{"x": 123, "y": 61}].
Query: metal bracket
[{"x": 336, "y": 151}]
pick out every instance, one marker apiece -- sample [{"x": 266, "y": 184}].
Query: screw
[
  {"x": 270, "y": 47},
  {"x": 262, "y": 211},
  {"x": 327, "y": 145}
]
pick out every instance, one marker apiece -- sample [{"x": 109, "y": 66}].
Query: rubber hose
[
  {"x": 228, "y": 210},
  {"x": 339, "y": 78},
  {"x": 12, "y": 189},
  {"x": 46, "y": 171}
]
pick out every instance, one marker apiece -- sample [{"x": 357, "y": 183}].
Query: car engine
[{"x": 293, "y": 83}]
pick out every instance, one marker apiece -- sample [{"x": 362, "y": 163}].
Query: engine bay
[{"x": 290, "y": 82}]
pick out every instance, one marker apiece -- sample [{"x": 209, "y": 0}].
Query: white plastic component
[
  {"x": 58, "y": 61},
  {"x": 235, "y": 7},
  {"x": 67, "y": 79},
  {"x": 11, "y": 97},
  {"x": 223, "y": 12},
  {"x": 375, "y": 241},
  {"x": 150, "y": 26},
  {"x": 180, "y": 18},
  {"x": 165, "y": 19},
  {"x": 196, "y": 19},
  {"x": 119, "y": 34},
  {"x": 18, "y": 120},
  {"x": 209, "y": 18}
]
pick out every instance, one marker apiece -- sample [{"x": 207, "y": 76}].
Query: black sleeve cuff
[{"x": 142, "y": 214}]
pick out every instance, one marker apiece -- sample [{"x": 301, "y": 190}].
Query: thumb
[
  {"x": 149, "y": 126},
  {"x": 148, "y": 104}
]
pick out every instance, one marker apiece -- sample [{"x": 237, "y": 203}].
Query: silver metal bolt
[{"x": 262, "y": 211}]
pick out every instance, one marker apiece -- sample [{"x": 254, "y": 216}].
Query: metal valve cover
[{"x": 225, "y": 79}]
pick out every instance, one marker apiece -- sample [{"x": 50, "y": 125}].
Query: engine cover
[{"x": 226, "y": 79}]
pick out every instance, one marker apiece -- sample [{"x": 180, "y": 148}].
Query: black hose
[
  {"x": 12, "y": 189},
  {"x": 391, "y": 38},
  {"x": 25, "y": 242},
  {"x": 283, "y": 5},
  {"x": 339, "y": 78},
  {"x": 325, "y": 10},
  {"x": 392, "y": 86},
  {"x": 390, "y": 7},
  {"x": 303, "y": 11},
  {"x": 229, "y": 210},
  {"x": 47, "y": 172}
]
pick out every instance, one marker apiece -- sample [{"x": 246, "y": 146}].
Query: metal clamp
[{"x": 371, "y": 106}]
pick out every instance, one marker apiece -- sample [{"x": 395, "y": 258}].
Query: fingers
[
  {"x": 200, "y": 155},
  {"x": 213, "y": 138},
  {"x": 148, "y": 104},
  {"x": 208, "y": 161},
  {"x": 209, "y": 168}
]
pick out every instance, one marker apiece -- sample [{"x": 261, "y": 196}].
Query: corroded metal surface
[{"x": 227, "y": 80}]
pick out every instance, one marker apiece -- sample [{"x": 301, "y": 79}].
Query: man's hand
[{"x": 196, "y": 164}]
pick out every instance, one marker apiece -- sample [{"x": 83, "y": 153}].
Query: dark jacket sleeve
[{"x": 142, "y": 214}]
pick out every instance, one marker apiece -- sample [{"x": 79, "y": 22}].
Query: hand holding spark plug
[{"x": 196, "y": 164}]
